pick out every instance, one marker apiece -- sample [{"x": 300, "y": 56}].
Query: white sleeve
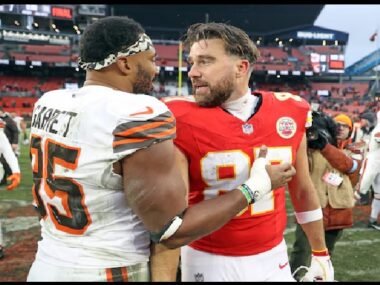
[
  {"x": 370, "y": 169},
  {"x": 9, "y": 155}
]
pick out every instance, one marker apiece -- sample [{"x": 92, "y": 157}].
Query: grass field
[{"x": 356, "y": 257}]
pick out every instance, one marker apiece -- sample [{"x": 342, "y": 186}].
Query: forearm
[
  {"x": 163, "y": 263},
  {"x": 315, "y": 234},
  {"x": 370, "y": 170},
  {"x": 8, "y": 154},
  {"x": 206, "y": 217},
  {"x": 337, "y": 158}
]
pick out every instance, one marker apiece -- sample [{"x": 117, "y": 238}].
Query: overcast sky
[{"x": 359, "y": 21}]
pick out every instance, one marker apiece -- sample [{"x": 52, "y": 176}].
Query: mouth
[{"x": 200, "y": 87}]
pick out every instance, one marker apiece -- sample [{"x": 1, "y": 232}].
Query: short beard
[
  {"x": 217, "y": 96},
  {"x": 143, "y": 84}
]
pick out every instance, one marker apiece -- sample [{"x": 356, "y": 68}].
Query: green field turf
[{"x": 356, "y": 257}]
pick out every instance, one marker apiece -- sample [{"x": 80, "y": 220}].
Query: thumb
[{"x": 263, "y": 151}]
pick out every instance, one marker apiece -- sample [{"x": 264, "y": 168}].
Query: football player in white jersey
[
  {"x": 106, "y": 182},
  {"x": 371, "y": 174},
  {"x": 15, "y": 177}
]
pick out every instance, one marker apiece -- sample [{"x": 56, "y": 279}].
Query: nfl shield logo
[{"x": 247, "y": 129}]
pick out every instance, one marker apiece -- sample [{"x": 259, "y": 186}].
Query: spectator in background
[
  {"x": 21, "y": 126},
  {"x": 371, "y": 174},
  {"x": 12, "y": 133},
  {"x": 362, "y": 131},
  {"x": 15, "y": 176},
  {"x": 334, "y": 173}
]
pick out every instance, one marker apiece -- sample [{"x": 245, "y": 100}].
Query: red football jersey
[{"x": 221, "y": 148}]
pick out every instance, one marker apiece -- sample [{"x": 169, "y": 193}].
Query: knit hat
[{"x": 343, "y": 119}]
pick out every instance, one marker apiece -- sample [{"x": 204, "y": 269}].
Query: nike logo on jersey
[
  {"x": 148, "y": 111},
  {"x": 281, "y": 266}
]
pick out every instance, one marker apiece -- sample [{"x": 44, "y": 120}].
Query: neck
[
  {"x": 242, "y": 107},
  {"x": 107, "y": 79},
  {"x": 102, "y": 83}
]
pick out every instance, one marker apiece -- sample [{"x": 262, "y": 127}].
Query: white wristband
[{"x": 309, "y": 216}]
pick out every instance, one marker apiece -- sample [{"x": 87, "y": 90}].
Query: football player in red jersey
[{"x": 218, "y": 138}]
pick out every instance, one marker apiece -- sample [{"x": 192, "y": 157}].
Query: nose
[{"x": 193, "y": 72}]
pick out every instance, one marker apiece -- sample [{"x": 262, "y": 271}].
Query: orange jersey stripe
[
  {"x": 124, "y": 274},
  {"x": 109, "y": 274},
  {"x": 144, "y": 127},
  {"x": 151, "y": 136}
]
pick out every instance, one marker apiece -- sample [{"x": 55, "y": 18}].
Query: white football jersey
[
  {"x": 371, "y": 166},
  {"x": 76, "y": 136}
]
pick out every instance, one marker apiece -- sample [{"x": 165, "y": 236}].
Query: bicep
[
  {"x": 183, "y": 165},
  {"x": 153, "y": 185}
]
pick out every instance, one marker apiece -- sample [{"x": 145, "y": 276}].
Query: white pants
[
  {"x": 272, "y": 265},
  {"x": 375, "y": 208},
  {"x": 41, "y": 271}
]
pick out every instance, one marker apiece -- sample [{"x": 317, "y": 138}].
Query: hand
[
  {"x": 15, "y": 179},
  {"x": 280, "y": 174},
  {"x": 259, "y": 182},
  {"x": 264, "y": 177},
  {"x": 321, "y": 269}
]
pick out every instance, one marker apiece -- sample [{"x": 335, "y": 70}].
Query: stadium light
[
  {"x": 17, "y": 23},
  {"x": 276, "y": 39},
  {"x": 290, "y": 40},
  {"x": 336, "y": 42},
  {"x": 324, "y": 42},
  {"x": 53, "y": 26},
  {"x": 35, "y": 24},
  {"x": 78, "y": 32},
  {"x": 56, "y": 30}
]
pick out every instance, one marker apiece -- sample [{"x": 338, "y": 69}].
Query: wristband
[
  {"x": 323, "y": 252},
  {"x": 247, "y": 193},
  {"x": 309, "y": 216},
  {"x": 354, "y": 166}
]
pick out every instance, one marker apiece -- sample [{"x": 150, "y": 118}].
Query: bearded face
[
  {"x": 144, "y": 81},
  {"x": 213, "y": 95}
]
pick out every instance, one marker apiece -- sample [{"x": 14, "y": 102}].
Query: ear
[
  {"x": 124, "y": 65},
  {"x": 242, "y": 68}
]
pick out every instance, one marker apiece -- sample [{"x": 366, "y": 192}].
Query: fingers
[
  {"x": 15, "y": 181},
  {"x": 263, "y": 151},
  {"x": 280, "y": 174},
  {"x": 11, "y": 186}
]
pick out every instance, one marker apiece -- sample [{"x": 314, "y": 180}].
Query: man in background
[
  {"x": 371, "y": 175},
  {"x": 14, "y": 178},
  {"x": 12, "y": 134}
]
